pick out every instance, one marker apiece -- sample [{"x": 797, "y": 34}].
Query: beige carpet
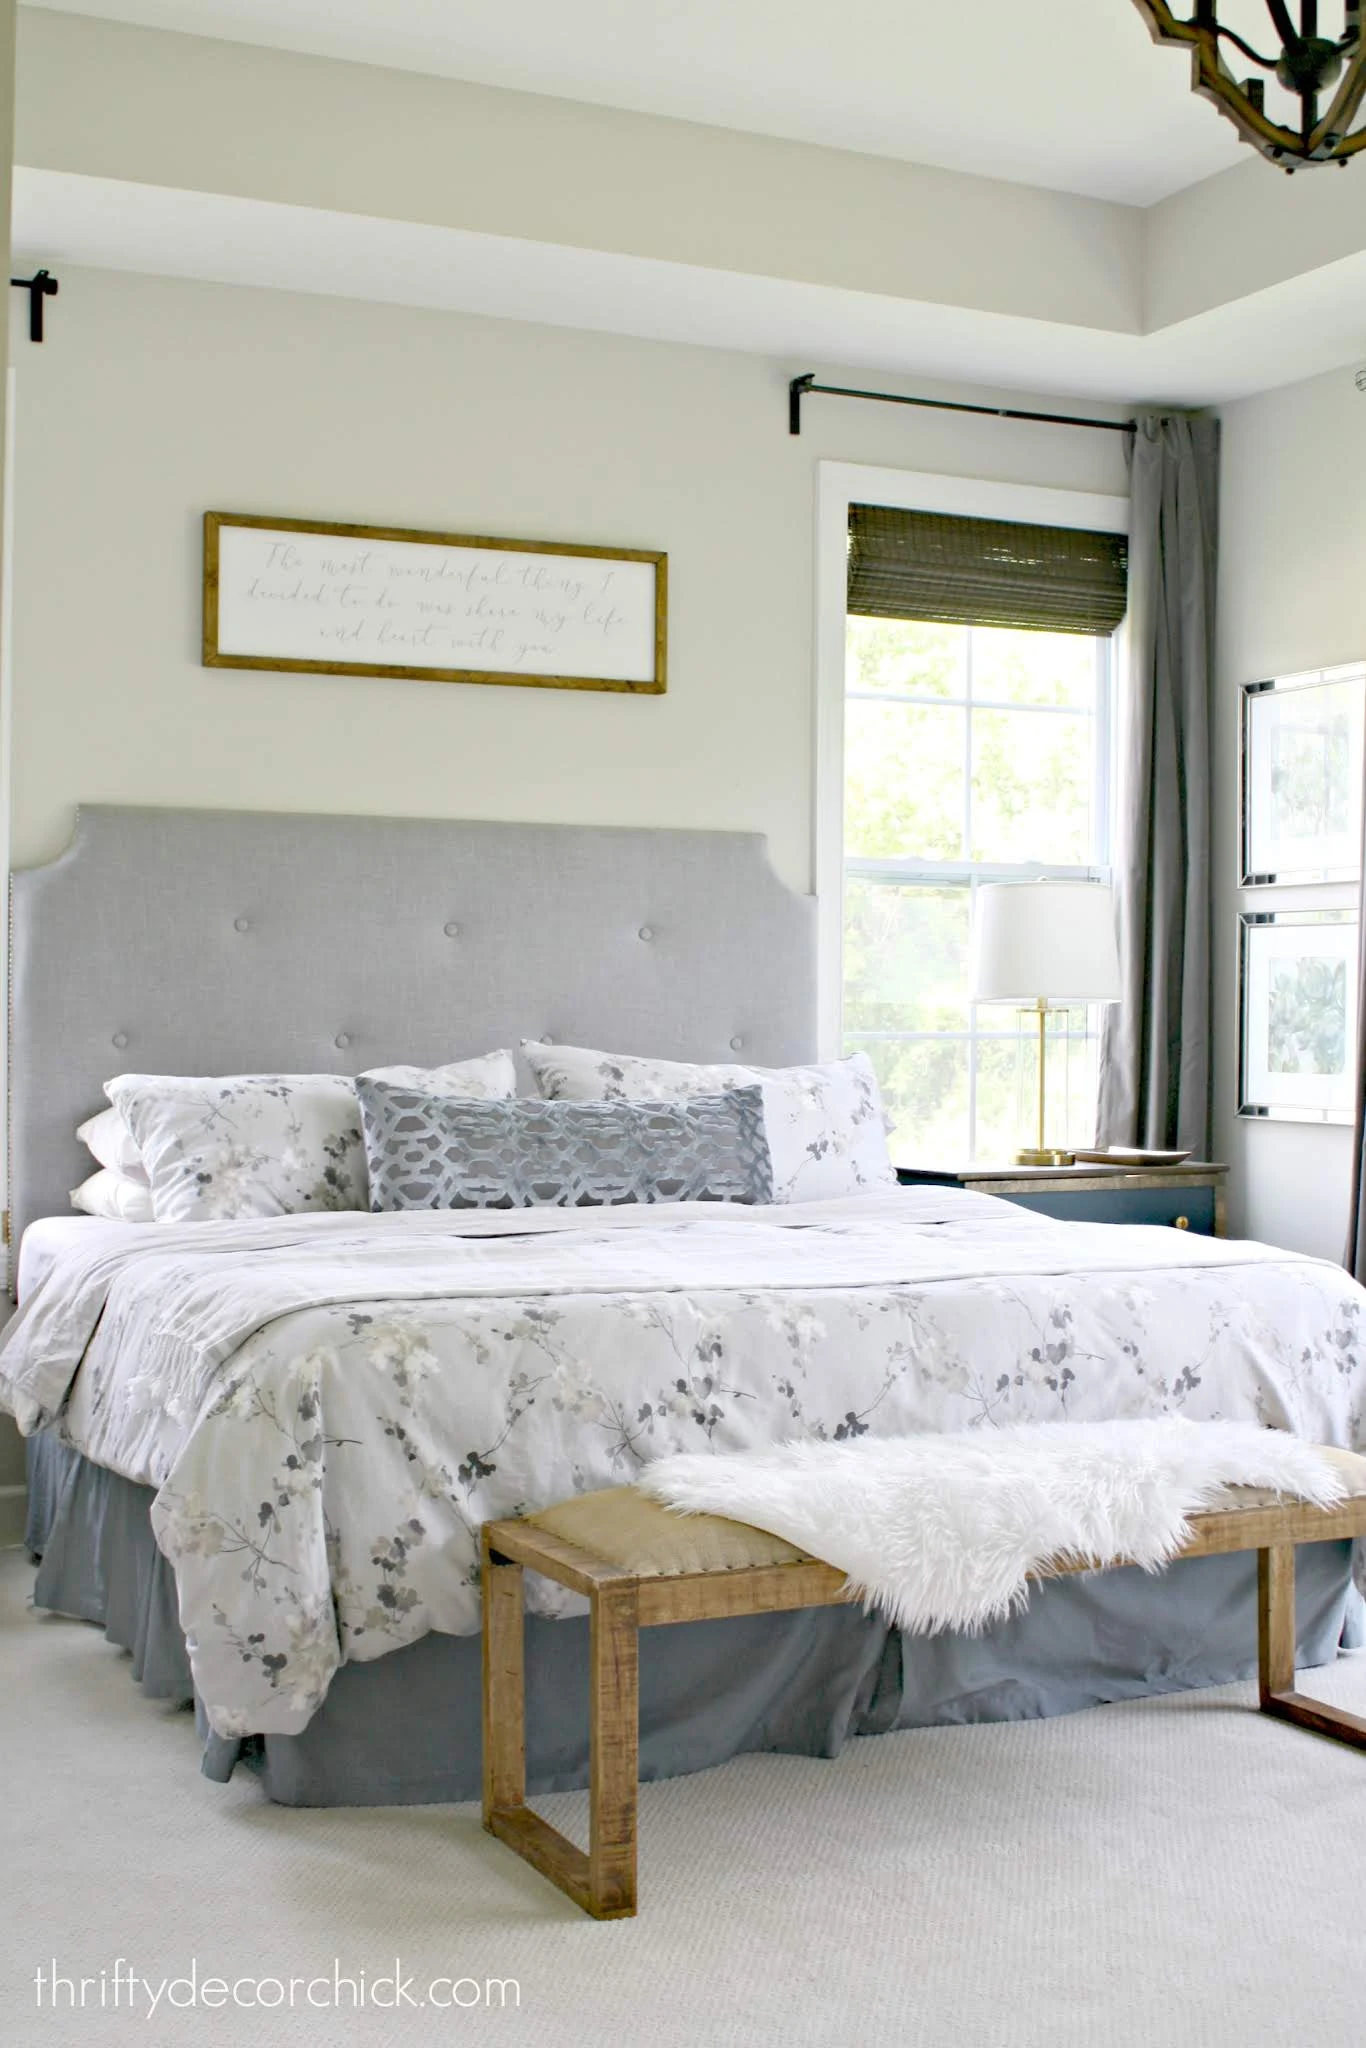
[{"x": 1178, "y": 1874}]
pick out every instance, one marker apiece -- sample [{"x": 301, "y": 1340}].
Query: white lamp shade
[{"x": 1050, "y": 942}]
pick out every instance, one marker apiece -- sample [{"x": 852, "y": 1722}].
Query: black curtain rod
[
  {"x": 42, "y": 285},
  {"x": 802, "y": 387}
]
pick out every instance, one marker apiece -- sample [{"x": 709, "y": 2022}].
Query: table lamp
[{"x": 1045, "y": 946}]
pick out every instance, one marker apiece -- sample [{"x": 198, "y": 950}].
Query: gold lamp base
[{"x": 1041, "y": 1154}]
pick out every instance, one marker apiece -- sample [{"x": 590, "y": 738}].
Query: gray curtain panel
[
  {"x": 1155, "y": 1048},
  {"x": 1354, "y": 1258}
]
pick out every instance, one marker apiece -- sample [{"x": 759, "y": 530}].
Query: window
[{"x": 971, "y": 753}]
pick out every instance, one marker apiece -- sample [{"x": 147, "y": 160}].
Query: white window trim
[{"x": 838, "y": 486}]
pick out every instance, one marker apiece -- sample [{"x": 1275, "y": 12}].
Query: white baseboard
[{"x": 13, "y": 1501}]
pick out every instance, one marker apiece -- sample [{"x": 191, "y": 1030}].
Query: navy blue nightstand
[{"x": 1189, "y": 1197}]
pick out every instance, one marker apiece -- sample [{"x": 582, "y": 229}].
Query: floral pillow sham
[
  {"x": 432, "y": 1152},
  {"x": 827, "y": 1133},
  {"x": 249, "y": 1145}
]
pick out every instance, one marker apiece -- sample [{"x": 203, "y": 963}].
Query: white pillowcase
[
  {"x": 108, "y": 1137},
  {"x": 244, "y": 1145},
  {"x": 116, "y": 1197},
  {"x": 826, "y": 1129},
  {"x": 492, "y": 1077}
]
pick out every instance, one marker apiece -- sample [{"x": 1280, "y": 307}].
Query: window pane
[
  {"x": 903, "y": 780},
  {"x": 905, "y": 957},
  {"x": 904, "y": 655},
  {"x": 992, "y": 761},
  {"x": 1033, "y": 668},
  {"x": 1008, "y": 1081},
  {"x": 1006, "y": 1116},
  {"x": 925, "y": 1090},
  {"x": 1031, "y": 787},
  {"x": 1073, "y": 1079}
]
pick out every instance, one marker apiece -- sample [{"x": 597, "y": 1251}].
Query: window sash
[
  {"x": 903, "y": 868},
  {"x": 909, "y": 870},
  {"x": 1100, "y": 711}
]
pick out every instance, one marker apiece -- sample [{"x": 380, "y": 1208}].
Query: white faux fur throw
[{"x": 942, "y": 1531}]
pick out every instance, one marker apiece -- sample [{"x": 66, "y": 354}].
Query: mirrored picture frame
[
  {"x": 1303, "y": 751},
  {"x": 1297, "y": 1000}
]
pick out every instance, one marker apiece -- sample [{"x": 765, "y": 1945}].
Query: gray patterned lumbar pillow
[{"x": 428, "y": 1152}]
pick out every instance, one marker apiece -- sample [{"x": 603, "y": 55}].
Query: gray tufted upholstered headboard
[{"x": 216, "y": 942}]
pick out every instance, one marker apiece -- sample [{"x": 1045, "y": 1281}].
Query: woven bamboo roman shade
[{"x": 984, "y": 572}]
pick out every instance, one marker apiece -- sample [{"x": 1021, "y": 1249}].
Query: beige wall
[
  {"x": 157, "y": 398},
  {"x": 11, "y": 1454},
  {"x": 1292, "y": 596},
  {"x": 154, "y": 399}
]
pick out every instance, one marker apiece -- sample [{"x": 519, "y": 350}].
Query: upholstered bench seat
[
  {"x": 642, "y": 1565},
  {"x": 624, "y": 1527}
]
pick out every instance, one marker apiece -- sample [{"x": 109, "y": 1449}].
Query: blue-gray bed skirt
[{"x": 405, "y": 1729}]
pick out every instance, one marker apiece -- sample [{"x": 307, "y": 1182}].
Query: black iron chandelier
[{"x": 1309, "y": 67}]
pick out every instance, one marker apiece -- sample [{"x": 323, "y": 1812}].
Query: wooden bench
[{"x": 641, "y": 1567}]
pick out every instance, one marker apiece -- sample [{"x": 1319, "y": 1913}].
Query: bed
[{"x": 261, "y": 1452}]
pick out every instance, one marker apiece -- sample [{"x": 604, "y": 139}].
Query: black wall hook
[{"x": 42, "y": 285}]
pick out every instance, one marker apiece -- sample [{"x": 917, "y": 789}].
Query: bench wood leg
[
  {"x": 1275, "y": 1621},
  {"x": 504, "y": 1707},
  {"x": 615, "y": 1771},
  {"x": 1276, "y": 1654},
  {"x": 603, "y": 1882}
]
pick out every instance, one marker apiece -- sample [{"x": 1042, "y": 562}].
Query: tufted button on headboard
[{"x": 126, "y": 954}]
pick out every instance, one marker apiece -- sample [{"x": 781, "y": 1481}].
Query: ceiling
[
  {"x": 148, "y": 151},
  {"x": 1067, "y": 94},
  {"x": 1275, "y": 336}
]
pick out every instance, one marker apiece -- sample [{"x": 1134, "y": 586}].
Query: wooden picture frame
[{"x": 281, "y": 594}]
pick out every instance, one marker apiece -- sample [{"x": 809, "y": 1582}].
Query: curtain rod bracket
[
  {"x": 807, "y": 387},
  {"x": 42, "y": 285}
]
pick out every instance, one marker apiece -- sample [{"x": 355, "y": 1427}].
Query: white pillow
[
  {"x": 108, "y": 1137},
  {"x": 490, "y": 1078},
  {"x": 115, "y": 1196},
  {"x": 268, "y": 1144},
  {"x": 826, "y": 1129}
]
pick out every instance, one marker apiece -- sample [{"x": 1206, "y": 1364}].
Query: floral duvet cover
[{"x": 329, "y": 1406}]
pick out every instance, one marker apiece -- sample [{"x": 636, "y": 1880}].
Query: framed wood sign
[{"x": 314, "y": 598}]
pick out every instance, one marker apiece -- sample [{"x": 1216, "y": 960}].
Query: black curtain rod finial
[
  {"x": 806, "y": 387},
  {"x": 42, "y": 285}
]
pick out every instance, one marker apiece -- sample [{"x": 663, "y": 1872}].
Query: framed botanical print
[
  {"x": 1302, "y": 765},
  {"x": 1297, "y": 979}
]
